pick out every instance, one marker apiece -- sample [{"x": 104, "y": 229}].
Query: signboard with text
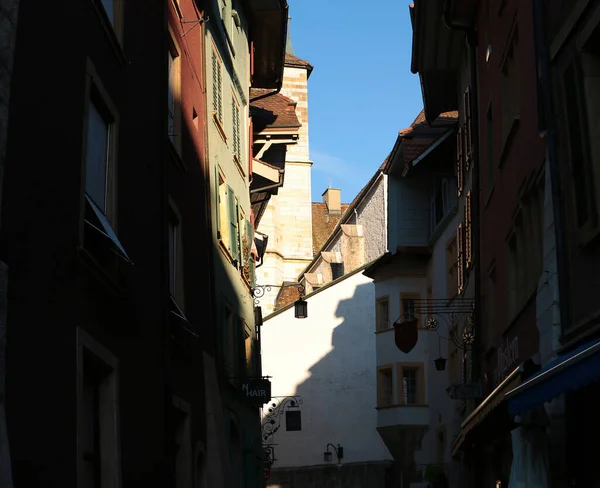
[{"x": 257, "y": 390}]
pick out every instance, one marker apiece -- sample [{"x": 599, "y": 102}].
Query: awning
[
  {"x": 486, "y": 407},
  {"x": 568, "y": 372}
]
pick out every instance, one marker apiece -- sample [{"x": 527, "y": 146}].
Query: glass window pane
[
  {"x": 96, "y": 157},
  {"x": 110, "y": 10},
  {"x": 171, "y": 98}
]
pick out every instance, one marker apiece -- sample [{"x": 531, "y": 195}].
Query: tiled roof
[
  {"x": 295, "y": 61},
  {"x": 323, "y": 223},
  {"x": 417, "y": 138},
  {"x": 273, "y": 111},
  {"x": 286, "y": 295}
]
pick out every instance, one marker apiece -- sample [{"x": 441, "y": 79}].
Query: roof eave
[{"x": 268, "y": 25}]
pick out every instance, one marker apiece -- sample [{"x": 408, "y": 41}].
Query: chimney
[{"x": 332, "y": 198}]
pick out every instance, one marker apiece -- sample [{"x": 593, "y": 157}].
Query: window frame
[
  {"x": 388, "y": 368},
  {"x": 236, "y": 134},
  {"x": 460, "y": 275},
  {"x": 419, "y": 369},
  {"x": 217, "y": 109},
  {"x": 468, "y": 113},
  {"x": 468, "y": 231},
  {"x": 90, "y": 350},
  {"x": 459, "y": 160},
  {"x": 415, "y": 297},
  {"x": 378, "y": 302},
  {"x": 178, "y": 293}
]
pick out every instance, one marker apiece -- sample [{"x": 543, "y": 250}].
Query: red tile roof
[
  {"x": 286, "y": 295},
  {"x": 417, "y": 138},
  {"x": 274, "y": 111},
  {"x": 295, "y": 62},
  {"x": 323, "y": 223}
]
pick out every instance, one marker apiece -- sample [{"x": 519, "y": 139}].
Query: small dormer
[{"x": 332, "y": 198}]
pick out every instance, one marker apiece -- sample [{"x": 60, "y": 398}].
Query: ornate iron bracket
[
  {"x": 458, "y": 316},
  {"x": 259, "y": 290},
  {"x": 272, "y": 420}
]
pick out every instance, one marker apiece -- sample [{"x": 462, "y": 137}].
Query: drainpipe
[{"x": 547, "y": 127}]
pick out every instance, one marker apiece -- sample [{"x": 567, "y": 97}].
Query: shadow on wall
[{"x": 338, "y": 405}]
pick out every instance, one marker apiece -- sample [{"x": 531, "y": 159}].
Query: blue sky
[{"x": 361, "y": 91}]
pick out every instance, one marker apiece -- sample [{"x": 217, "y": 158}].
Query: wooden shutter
[
  {"x": 251, "y": 58},
  {"x": 468, "y": 128},
  {"x": 459, "y": 160},
  {"x": 250, "y": 238},
  {"x": 250, "y": 147},
  {"x": 218, "y": 203},
  {"x": 215, "y": 81},
  {"x": 460, "y": 258},
  {"x": 224, "y": 214},
  {"x": 233, "y": 225}
]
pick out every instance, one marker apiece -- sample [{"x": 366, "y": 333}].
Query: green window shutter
[
  {"x": 215, "y": 81},
  {"x": 251, "y": 263},
  {"x": 218, "y": 202},
  {"x": 233, "y": 234}
]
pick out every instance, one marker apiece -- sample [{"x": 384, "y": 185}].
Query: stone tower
[{"x": 288, "y": 219}]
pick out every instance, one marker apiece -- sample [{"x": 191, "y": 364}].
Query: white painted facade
[{"x": 328, "y": 359}]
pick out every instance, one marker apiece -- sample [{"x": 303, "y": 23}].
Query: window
[
  {"x": 248, "y": 265},
  {"x": 97, "y": 236},
  {"x": 411, "y": 382},
  {"x": 468, "y": 149},
  {"x": 489, "y": 141},
  {"x": 409, "y": 306},
  {"x": 382, "y": 313},
  {"x": 228, "y": 216},
  {"x": 459, "y": 160},
  {"x": 451, "y": 269},
  {"x": 98, "y": 460},
  {"x": 337, "y": 270},
  {"x": 460, "y": 255},
  {"x": 468, "y": 232},
  {"x": 182, "y": 444},
  {"x": 237, "y": 143},
  {"x": 509, "y": 90},
  {"x": 217, "y": 84},
  {"x": 525, "y": 249},
  {"x": 443, "y": 200},
  {"x": 385, "y": 387},
  {"x": 176, "y": 281},
  {"x": 174, "y": 96},
  {"x": 586, "y": 213},
  {"x": 114, "y": 13},
  {"x": 98, "y": 156}
]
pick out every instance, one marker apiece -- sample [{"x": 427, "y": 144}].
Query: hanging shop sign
[{"x": 257, "y": 390}]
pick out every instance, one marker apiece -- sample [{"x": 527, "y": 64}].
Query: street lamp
[
  {"x": 300, "y": 305},
  {"x": 339, "y": 451}
]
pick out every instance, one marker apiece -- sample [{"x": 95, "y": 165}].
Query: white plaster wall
[
  {"x": 387, "y": 352},
  {"x": 441, "y": 408},
  {"x": 408, "y": 210},
  {"x": 329, "y": 360}
]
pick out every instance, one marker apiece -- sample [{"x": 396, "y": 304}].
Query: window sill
[
  {"x": 227, "y": 254},
  {"x": 89, "y": 263},
  {"x": 175, "y": 157},
  {"x": 220, "y": 128},
  {"x": 510, "y": 135},
  {"x": 238, "y": 165},
  {"x": 583, "y": 330},
  {"x": 381, "y": 331},
  {"x": 109, "y": 30}
]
